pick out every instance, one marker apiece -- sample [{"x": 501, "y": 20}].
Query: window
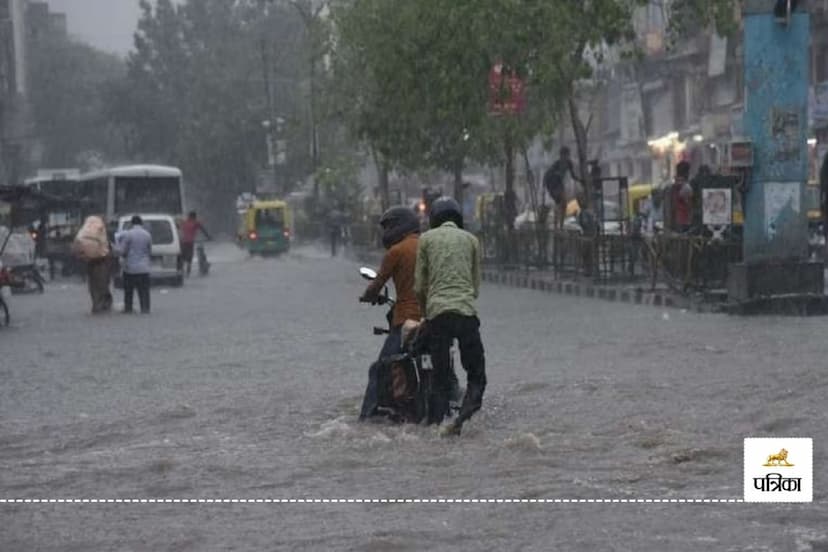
[
  {"x": 140, "y": 194},
  {"x": 94, "y": 195},
  {"x": 269, "y": 218},
  {"x": 821, "y": 69},
  {"x": 160, "y": 230}
]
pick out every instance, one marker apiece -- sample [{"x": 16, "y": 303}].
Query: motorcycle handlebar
[
  {"x": 381, "y": 300},
  {"x": 380, "y": 331}
]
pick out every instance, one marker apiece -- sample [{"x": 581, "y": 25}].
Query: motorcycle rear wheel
[
  {"x": 5, "y": 319},
  {"x": 32, "y": 283}
]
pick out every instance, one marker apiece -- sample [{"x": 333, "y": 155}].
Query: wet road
[{"x": 246, "y": 384}]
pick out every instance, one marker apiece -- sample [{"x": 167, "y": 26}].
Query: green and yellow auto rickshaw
[{"x": 265, "y": 228}]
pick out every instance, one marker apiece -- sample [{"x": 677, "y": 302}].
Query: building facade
[
  {"x": 12, "y": 90},
  {"x": 686, "y": 102},
  {"x": 22, "y": 22}
]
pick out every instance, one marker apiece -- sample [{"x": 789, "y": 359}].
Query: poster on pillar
[
  {"x": 717, "y": 206},
  {"x": 782, "y": 208}
]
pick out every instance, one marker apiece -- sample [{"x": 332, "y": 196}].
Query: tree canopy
[{"x": 412, "y": 76}]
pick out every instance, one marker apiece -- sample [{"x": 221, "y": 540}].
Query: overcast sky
[{"x": 107, "y": 24}]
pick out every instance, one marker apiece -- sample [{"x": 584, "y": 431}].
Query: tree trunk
[
  {"x": 580, "y": 132},
  {"x": 458, "y": 182},
  {"x": 539, "y": 208},
  {"x": 383, "y": 170},
  {"x": 510, "y": 197},
  {"x": 311, "y": 30}
]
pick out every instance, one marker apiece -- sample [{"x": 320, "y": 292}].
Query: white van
[{"x": 166, "y": 248}]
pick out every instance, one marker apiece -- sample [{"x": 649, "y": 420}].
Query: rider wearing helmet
[
  {"x": 400, "y": 229},
  {"x": 447, "y": 283}
]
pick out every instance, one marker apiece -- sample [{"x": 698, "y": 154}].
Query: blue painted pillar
[{"x": 777, "y": 71}]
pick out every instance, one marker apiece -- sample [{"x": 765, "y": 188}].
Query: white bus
[
  {"x": 55, "y": 182},
  {"x": 63, "y": 184},
  {"x": 128, "y": 190}
]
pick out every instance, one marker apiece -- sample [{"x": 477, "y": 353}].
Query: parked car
[{"x": 166, "y": 249}]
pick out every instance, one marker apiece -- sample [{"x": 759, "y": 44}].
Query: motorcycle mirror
[{"x": 367, "y": 273}]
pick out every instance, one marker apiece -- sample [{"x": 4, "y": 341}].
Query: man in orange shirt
[
  {"x": 400, "y": 229},
  {"x": 189, "y": 231}
]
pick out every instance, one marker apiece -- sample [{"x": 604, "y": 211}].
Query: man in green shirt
[{"x": 447, "y": 283}]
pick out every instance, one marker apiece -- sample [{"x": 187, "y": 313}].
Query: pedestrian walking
[
  {"x": 559, "y": 182},
  {"x": 681, "y": 199},
  {"x": 91, "y": 245},
  {"x": 334, "y": 228},
  {"x": 447, "y": 283},
  {"x": 135, "y": 247},
  {"x": 189, "y": 230}
]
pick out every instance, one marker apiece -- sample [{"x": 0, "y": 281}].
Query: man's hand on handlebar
[{"x": 374, "y": 299}]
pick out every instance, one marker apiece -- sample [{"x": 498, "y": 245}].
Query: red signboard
[{"x": 506, "y": 91}]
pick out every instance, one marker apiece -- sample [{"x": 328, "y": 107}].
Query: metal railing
[
  {"x": 681, "y": 262},
  {"x": 684, "y": 263}
]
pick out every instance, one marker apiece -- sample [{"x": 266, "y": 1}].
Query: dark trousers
[
  {"x": 334, "y": 235},
  {"x": 141, "y": 284},
  {"x": 392, "y": 346},
  {"x": 98, "y": 276},
  {"x": 185, "y": 260},
  {"x": 442, "y": 331}
]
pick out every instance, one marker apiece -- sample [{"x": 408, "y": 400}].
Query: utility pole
[
  {"x": 310, "y": 11},
  {"x": 269, "y": 123},
  {"x": 777, "y": 76}
]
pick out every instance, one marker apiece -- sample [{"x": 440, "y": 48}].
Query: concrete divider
[{"x": 618, "y": 294}]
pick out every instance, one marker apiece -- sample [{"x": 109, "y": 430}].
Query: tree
[
  {"x": 68, "y": 81},
  {"x": 415, "y": 72},
  {"x": 193, "y": 95},
  {"x": 593, "y": 26},
  {"x": 364, "y": 93}
]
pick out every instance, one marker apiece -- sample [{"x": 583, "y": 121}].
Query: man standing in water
[
  {"x": 447, "y": 283},
  {"x": 189, "y": 230},
  {"x": 136, "y": 248}
]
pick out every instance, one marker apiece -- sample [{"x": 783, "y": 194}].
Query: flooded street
[{"x": 246, "y": 384}]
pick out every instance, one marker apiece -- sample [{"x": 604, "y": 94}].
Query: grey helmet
[
  {"x": 445, "y": 209},
  {"x": 397, "y": 223}
]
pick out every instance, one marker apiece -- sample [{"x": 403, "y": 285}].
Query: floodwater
[{"x": 246, "y": 384}]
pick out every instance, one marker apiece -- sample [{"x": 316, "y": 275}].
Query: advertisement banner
[
  {"x": 506, "y": 91},
  {"x": 819, "y": 106}
]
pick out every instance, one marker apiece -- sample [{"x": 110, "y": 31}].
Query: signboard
[
  {"x": 632, "y": 114},
  {"x": 740, "y": 155},
  {"x": 244, "y": 202},
  {"x": 781, "y": 204},
  {"x": 717, "y": 206},
  {"x": 717, "y": 62},
  {"x": 506, "y": 91},
  {"x": 819, "y": 105}
]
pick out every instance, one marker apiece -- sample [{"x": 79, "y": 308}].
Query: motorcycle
[
  {"x": 29, "y": 278},
  {"x": 406, "y": 379},
  {"x": 6, "y": 280},
  {"x": 203, "y": 263}
]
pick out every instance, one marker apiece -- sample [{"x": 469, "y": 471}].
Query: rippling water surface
[{"x": 246, "y": 384}]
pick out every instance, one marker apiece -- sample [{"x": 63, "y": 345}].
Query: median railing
[{"x": 682, "y": 262}]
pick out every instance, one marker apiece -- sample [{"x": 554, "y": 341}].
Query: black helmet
[
  {"x": 397, "y": 223},
  {"x": 445, "y": 209}
]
